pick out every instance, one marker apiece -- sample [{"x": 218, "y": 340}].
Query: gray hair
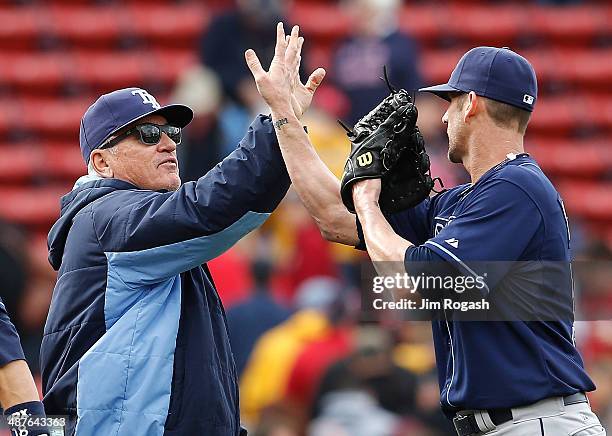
[{"x": 91, "y": 171}]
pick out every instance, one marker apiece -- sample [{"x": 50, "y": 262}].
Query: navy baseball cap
[
  {"x": 496, "y": 73},
  {"x": 113, "y": 111}
]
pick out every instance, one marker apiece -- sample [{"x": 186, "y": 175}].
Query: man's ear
[
  {"x": 99, "y": 162},
  {"x": 473, "y": 105}
]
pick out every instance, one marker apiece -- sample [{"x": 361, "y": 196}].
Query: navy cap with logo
[
  {"x": 496, "y": 73},
  {"x": 118, "y": 109}
]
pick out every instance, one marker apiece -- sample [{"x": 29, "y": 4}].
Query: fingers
[
  {"x": 254, "y": 65},
  {"x": 292, "y": 57},
  {"x": 315, "y": 80},
  {"x": 292, "y": 50},
  {"x": 281, "y": 43}
]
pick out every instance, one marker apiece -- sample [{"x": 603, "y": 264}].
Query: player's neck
[{"x": 484, "y": 153}]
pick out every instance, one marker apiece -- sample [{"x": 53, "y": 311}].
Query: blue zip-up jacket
[
  {"x": 136, "y": 339},
  {"x": 10, "y": 346}
]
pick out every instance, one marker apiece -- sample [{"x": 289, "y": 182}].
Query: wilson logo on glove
[
  {"x": 364, "y": 159},
  {"x": 387, "y": 144}
]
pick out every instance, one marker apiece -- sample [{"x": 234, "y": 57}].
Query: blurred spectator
[
  {"x": 202, "y": 145},
  {"x": 312, "y": 256},
  {"x": 13, "y": 270},
  {"x": 264, "y": 380},
  {"x": 430, "y": 124},
  {"x": 222, "y": 47},
  {"x": 428, "y": 405},
  {"x": 353, "y": 412},
  {"x": 375, "y": 41},
  {"x": 601, "y": 399},
  {"x": 371, "y": 367},
  {"x": 248, "y": 320},
  {"x": 20, "y": 292},
  {"x": 414, "y": 351},
  {"x": 250, "y": 25},
  {"x": 301, "y": 252},
  {"x": 316, "y": 357},
  {"x": 276, "y": 421}
]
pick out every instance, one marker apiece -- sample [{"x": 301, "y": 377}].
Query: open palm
[{"x": 280, "y": 86}]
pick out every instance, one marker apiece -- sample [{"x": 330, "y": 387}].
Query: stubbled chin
[{"x": 175, "y": 183}]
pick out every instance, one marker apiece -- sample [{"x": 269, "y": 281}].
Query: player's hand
[
  {"x": 303, "y": 93},
  {"x": 280, "y": 86},
  {"x": 366, "y": 193}
]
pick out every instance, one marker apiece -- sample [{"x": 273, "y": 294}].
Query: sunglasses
[{"x": 149, "y": 134}]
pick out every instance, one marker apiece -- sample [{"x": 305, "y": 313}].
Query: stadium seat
[
  {"x": 8, "y": 114},
  {"x": 557, "y": 115},
  {"x": 587, "y": 159},
  {"x": 105, "y": 71},
  {"x": 34, "y": 73},
  {"x": 320, "y": 21},
  {"x": 591, "y": 200},
  {"x": 167, "y": 25},
  {"x": 31, "y": 206},
  {"x": 167, "y": 65},
  {"x": 63, "y": 163},
  {"x": 19, "y": 163},
  {"x": 570, "y": 25},
  {"x": 27, "y": 162},
  {"x": 599, "y": 111},
  {"x": 564, "y": 115},
  {"x": 20, "y": 28},
  {"x": 90, "y": 26},
  {"x": 437, "y": 65},
  {"x": 479, "y": 23},
  {"x": 427, "y": 23},
  {"x": 586, "y": 68},
  {"x": 53, "y": 118}
]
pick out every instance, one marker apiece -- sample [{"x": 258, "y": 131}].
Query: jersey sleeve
[
  {"x": 411, "y": 224},
  {"x": 158, "y": 235},
  {"x": 491, "y": 232},
  {"x": 10, "y": 346}
]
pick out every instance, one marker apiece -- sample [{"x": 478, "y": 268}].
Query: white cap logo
[
  {"x": 147, "y": 98},
  {"x": 528, "y": 99}
]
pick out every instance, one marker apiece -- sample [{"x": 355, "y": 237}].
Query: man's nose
[
  {"x": 445, "y": 117},
  {"x": 166, "y": 144}
]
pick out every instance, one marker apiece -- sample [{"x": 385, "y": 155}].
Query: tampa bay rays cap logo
[
  {"x": 364, "y": 159},
  {"x": 146, "y": 98}
]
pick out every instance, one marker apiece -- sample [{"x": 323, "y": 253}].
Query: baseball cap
[
  {"x": 496, "y": 73},
  {"x": 115, "y": 110}
]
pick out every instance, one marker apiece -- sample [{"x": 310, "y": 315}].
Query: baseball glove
[{"x": 387, "y": 144}]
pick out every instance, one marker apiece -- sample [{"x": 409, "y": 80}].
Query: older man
[
  {"x": 524, "y": 377},
  {"x": 136, "y": 340}
]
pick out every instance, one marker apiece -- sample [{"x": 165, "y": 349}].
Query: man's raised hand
[{"x": 280, "y": 86}]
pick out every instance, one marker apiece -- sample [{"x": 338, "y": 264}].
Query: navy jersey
[
  {"x": 10, "y": 347},
  {"x": 514, "y": 216}
]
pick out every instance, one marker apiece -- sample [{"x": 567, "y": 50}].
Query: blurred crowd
[{"x": 309, "y": 362}]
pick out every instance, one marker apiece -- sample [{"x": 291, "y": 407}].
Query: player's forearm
[
  {"x": 385, "y": 247},
  {"x": 16, "y": 384},
  {"x": 315, "y": 184}
]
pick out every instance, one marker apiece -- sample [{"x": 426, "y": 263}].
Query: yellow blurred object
[
  {"x": 416, "y": 358},
  {"x": 266, "y": 375}
]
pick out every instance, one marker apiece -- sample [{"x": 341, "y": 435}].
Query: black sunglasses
[{"x": 150, "y": 134}]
